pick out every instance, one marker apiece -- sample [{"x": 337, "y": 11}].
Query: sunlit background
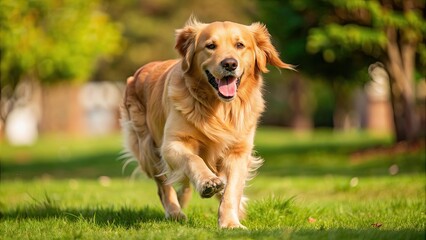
[{"x": 64, "y": 63}]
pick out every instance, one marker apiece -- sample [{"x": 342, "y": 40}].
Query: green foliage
[
  {"x": 292, "y": 36},
  {"x": 341, "y": 37},
  {"x": 362, "y": 25},
  {"x": 54, "y": 40},
  {"x": 345, "y": 39}
]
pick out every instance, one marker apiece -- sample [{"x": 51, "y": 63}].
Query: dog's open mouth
[{"x": 227, "y": 86}]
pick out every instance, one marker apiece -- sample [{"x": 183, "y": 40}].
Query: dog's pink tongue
[{"x": 228, "y": 87}]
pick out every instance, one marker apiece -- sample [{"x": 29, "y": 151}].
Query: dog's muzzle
[{"x": 226, "y": 87}]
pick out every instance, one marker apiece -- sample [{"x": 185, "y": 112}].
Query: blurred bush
[{"x": 53, "y": 40}]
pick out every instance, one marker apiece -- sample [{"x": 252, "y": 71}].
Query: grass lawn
[{"x": 310, "y": 187}]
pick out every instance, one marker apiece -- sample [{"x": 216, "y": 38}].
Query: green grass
[{"x": 54, "y": 190}]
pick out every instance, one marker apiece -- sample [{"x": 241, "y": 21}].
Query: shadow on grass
[
  {"x": 123, "y": 217},
  {"x": 307, "y": 159},
  {"x": 81, "y": 166}
]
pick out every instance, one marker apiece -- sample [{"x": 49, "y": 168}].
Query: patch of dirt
[{"x": 395, "y": 149}]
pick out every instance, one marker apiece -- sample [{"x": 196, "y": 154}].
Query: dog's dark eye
[
  {"x": 211, "y": 46},
  {"x": 240, "y": 45}
]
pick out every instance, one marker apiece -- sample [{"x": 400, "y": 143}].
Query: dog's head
[{"x": 223, "y": 53}]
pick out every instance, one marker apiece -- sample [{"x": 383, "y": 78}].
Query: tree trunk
[
  {"x": 343, "y": 106},
  {"x": 404, "y": 111},
  {"x": 400, "y": 66},
  {"x": 299, "y": 104}
]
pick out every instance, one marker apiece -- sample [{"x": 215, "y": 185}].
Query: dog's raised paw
[{"x": 211, "y": 187}]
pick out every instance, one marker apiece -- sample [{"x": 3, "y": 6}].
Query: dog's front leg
[
  {"x": 182, "y": 160},
  {"x": 235, "y": 171}
]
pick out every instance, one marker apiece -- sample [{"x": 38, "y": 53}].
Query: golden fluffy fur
[{"x": 193, "y": 120}]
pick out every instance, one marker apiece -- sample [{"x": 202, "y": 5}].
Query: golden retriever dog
[{"x": 193, "y": 119}]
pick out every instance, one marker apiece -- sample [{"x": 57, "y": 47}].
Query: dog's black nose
[{"x": 229, "y": 64}]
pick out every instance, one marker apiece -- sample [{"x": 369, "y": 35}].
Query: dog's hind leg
[
  {"x": 138, "y": 142},
  {"x": 169, "y": 199},
  {"x": 185, "y": 193},
  {"x": 149, "y": 161},
  {"x": 155, "y": 170}
]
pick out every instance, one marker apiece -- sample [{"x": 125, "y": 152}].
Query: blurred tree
[
  {"x": 341, "y": 71},
  {"x": 52, "y": 40},
  {"x": 344, "y": 37},
  {"x": 391, "y": 31}
]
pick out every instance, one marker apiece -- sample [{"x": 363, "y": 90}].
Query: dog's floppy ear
[
  {"x": 186, "y": 40},
  {"x": 265, "y": 51}
]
